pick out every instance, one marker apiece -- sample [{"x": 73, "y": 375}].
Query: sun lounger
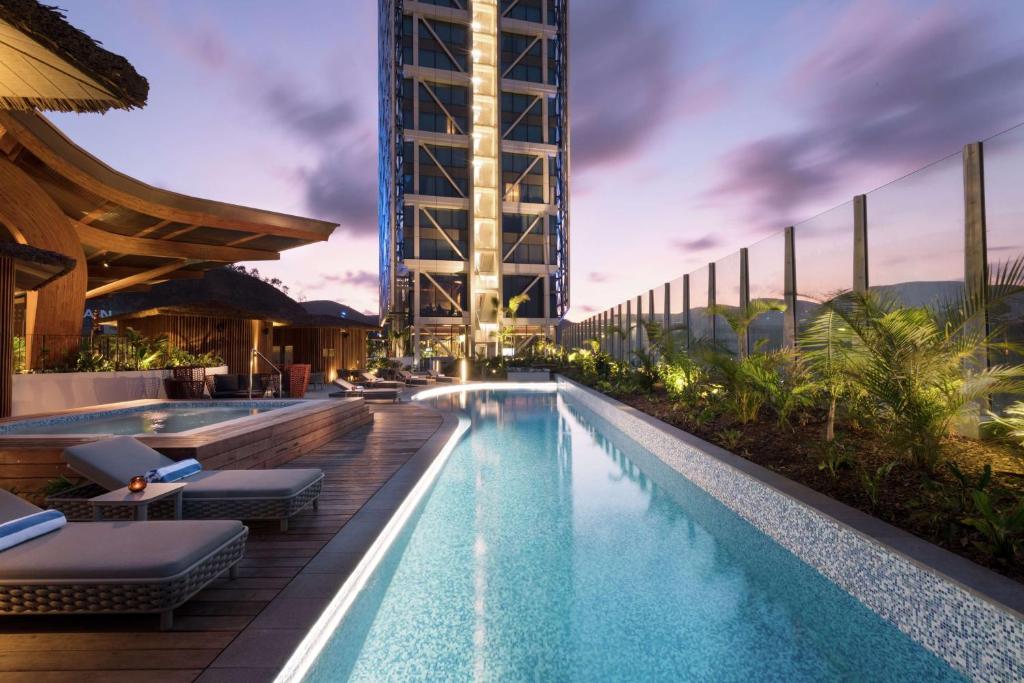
[
  {"x": 441, "y": 378},
  {"x": 210, "y": 494},
  {"x": 349, "y": 390},
  {"x": 373, "y": 382},
  {"x": 114, "y": 567},
  {"x": 409, "y": 378}
]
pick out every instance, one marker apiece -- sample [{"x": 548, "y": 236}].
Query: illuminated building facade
[{"x": 474, "y": 167}]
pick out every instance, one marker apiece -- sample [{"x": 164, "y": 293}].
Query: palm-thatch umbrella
[{"x": 48, "y": 64}]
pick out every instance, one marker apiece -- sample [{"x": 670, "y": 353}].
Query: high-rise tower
[{"x": 474, "y": 167}]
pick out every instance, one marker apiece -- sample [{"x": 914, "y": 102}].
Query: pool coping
[{"x": 999, "y": 593}]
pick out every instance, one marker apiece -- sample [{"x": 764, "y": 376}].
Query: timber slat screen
[
  {"x": 232, "y": 339},
  {"x": 6, "y": 328}
]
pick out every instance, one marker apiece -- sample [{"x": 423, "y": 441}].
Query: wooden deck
[{"x": 241, "y": 630}]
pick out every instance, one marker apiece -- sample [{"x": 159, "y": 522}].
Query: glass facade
[{"x": 435, "y": 156}]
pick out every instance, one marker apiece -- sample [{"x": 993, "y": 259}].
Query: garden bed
[{"x": 928, "y": 505}]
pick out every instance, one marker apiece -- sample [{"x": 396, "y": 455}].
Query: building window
[
  {"x": 409, "y": 233},
  {"x": 408, "y": 167},
  {"x": 408, "y": 120},
  {"x": 519, "y": 249},
  {"x": 434, "y": 54},
  {"x": 438, "y": 292},
  {"x": 517, "y": 186},
  {"x": 454, "y": 101},
  {"x": 526, "y": 53},
  {"x": 454, "y": 223},
  {"x": 513, "y": 285},
  {"x": 522, "y": 117},
  {"x": 524, "y": 10},
  {"x": 453, "y": 180},
  {"x": 407, "y": 56}
]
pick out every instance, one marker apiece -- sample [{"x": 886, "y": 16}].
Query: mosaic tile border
[
  {"x": 6, "y": 429},
  {"x": 979, "y": 637}
]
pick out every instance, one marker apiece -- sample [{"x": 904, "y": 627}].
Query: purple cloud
[
  {"x": 598, "y": 277},
  {"x": 359, "y": 279},
  {"x": 880, "y": 91},
  {"x": 626, "y": 81},
  {"x": 697, "y": 244}
]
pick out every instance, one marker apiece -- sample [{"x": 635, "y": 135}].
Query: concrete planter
[
  {"x": 528, "y": 375},
  {"x": 55, "y": 391}
]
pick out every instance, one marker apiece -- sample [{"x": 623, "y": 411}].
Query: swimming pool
[
  {"x": 158, "y": 418},
  {"x": 553, "y": 547}
]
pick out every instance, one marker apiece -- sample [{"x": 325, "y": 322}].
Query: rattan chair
[
  {"x": 211, "y": 494},
  {"x": 114, "y": 567}
]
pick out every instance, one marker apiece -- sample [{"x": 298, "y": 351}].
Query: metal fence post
[
  {"x": 789, "y": 320},
  {"x": 711, "y": 302},
  {"x": 743, "y": 345},
  {"x": 686, "y": 309},
  {"x": 860, "y": 243}
]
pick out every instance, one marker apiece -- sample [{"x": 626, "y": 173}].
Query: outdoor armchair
[
  {"x": 210, "y": 494},
  {"x": 114, "y": 567}
]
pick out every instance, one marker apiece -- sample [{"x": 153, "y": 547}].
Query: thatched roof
[
  {"x": 222, "y": 292},
  {"x": 34, "y": 267},
  {"x": 48, "y": 64}
]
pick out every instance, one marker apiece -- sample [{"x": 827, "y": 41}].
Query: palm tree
[
  {"x": 741, "y": 318},
  {"x": 916, "y": 367}
]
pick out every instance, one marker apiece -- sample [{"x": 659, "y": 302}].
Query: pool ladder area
[{"x": 280, "y": 377}]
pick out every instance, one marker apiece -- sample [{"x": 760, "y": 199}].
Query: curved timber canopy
[{"x": 134, "y": 234}]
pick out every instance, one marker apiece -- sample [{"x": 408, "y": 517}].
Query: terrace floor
[{"x": 245, "y": 629}]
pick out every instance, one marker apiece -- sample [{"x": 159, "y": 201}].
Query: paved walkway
[{"x": 244, "y": 630}]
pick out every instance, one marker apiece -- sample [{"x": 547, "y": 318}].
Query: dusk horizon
[{"x": 698, "y": 135}]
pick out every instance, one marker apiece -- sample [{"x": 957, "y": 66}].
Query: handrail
[{"x": 280, "y": 376}]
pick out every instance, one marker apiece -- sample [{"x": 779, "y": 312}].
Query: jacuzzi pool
[{"x": 171, "y": 417}]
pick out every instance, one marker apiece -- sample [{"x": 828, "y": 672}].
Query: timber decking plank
[{"x": 227, "y": 613}]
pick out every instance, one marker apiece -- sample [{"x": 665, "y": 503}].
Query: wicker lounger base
[
  {"x": 74, "y": 503},
  {"x": 121, "y": 597}
]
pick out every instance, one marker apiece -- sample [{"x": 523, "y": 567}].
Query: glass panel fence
[
  {"x": 677, "y": 317},
  {"x": 916, "y": 235},
  {"x": 1004, "y": 215},
  {"x": 766, "y": 263},
  {"x": 700, "y": 322},
  {"x": 823, "y": 250},
  {"x": 727, "y": 296}
]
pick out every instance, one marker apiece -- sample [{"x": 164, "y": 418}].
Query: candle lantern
[{"x": 137, "y": 484}]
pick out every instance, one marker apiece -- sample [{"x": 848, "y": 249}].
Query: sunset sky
[{"x": 697, "y": 127}]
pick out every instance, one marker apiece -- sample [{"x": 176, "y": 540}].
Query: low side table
[{"x": 138, "y": 501}]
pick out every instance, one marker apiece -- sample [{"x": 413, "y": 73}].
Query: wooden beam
[
  {"x": 140, "y": 246},
  {"x": 97, "y": 272},
  {"x": 153, "y": 228},
  {"x": 243, "y": 240},
  {"x": 95, "y": 213},
  {"x": 136, "y": 279},
  {"x": 179, "y": 232}
]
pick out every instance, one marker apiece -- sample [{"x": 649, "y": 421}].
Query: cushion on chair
[
  {"x": 283, "y": 483},
  {"x": 13, "y": 506},
  {"x": 116, "y": 550},
  {"x": 112, "y": 463}
]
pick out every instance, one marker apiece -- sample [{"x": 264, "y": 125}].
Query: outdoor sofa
[
  {"x": 114, "y": 567},
  {"x": 237, "y": 386},
  {"x": 211, "y": 494},
  {"x": 349, "y": 390}
]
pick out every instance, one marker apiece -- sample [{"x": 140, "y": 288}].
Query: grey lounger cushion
[
  {"x": 116, "y": 550},
  {"x": 111, "y": 463},
  {"x": 283, "y": 483}
]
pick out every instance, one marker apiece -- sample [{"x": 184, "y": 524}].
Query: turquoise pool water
[
  {"x": 161, "y": 419},
  {"x": 553, "y": 548}
]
